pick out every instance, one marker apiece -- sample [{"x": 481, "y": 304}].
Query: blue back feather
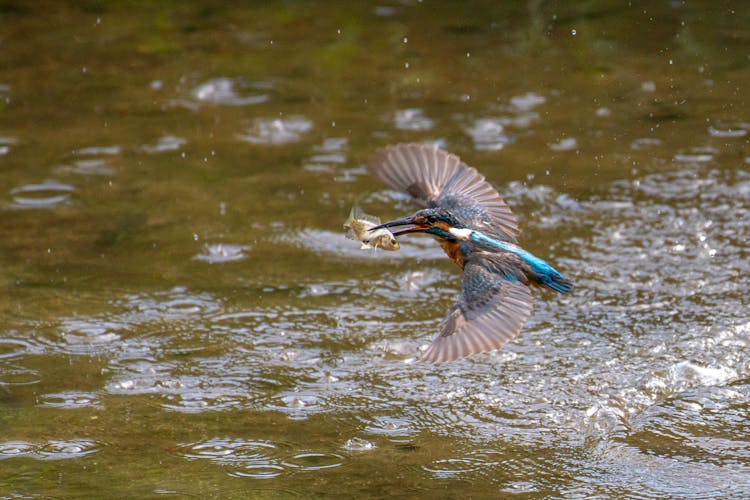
[{"x": 548, "y": 275}]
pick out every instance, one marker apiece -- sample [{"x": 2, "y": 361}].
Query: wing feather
[
  {"x": 491, "y": 310},
  {"x": 435, "y": 178}
]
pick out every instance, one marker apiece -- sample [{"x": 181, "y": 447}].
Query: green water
[{"x": 181, "y": 314}]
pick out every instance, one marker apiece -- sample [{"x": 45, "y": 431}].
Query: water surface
[{"x": 183, "y": 316}]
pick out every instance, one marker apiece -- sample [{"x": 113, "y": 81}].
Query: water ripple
[
  {"x": 397, "y": 428},
  {"x": 276, "y": 131},
  {"x": 164, "y": 144},
  {"x": 113, "y": 150},
  {"x": 643, "y": 365},
  {"x": 6, "y": 143},
  {"x": 447, "y": 468},
  {"x": 312, "y": 461},
  {"x": 260, "y": 459},
  {"x": 228, "y": 92},
  {"x": 50, "y": 450},
  {"x": 528, "y": 101},
  {"x": 488, "y": 134},
  {"x": 85, "y": 336},
  {"x": 176, "y": 303},
  {"x": 88, "y": 166},
  {"x": 47, "y": 194},
  {"x": 412, "y": 119},
  {"x": 255, "y": 459},
  {"x": 14, "y": 347},
  {"x": 705, "y": 422},
  {"x": 328, "y": 156},
  {"x": 727, "y": 132},
  {"x": 696, "y": 155},
  {"x": 297, "y": 405},
  {"x": 565, "y": 144},
  {"x": 15, "y": 374},
  {"x": 70, "y": 400}
]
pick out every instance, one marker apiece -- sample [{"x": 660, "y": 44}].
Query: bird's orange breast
[{"x": 453, "y": 249}]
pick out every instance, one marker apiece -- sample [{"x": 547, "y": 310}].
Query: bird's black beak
[{"x": 409, "y": 223}]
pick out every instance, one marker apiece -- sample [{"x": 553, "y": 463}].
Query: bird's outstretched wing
[
  {"x": 436, "y": 178},
  {"x": 491, "y": 310}
]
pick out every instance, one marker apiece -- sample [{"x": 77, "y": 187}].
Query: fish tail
[
  {"x": 349, "y": 224},
  {"x": 350, "y": 219}
]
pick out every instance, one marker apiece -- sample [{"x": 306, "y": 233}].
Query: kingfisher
[{"x": 478, "y": 231}]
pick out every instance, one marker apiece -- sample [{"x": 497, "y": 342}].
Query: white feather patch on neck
[{"x": 460, "y": 234}]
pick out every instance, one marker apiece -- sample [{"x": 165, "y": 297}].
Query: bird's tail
[{"x": 558, "y": 283}]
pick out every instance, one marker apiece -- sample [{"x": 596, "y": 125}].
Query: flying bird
[{"x": 478, "y": 231}]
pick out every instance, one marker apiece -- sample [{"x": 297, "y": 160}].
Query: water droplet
[{"x": 358, "y": 444}]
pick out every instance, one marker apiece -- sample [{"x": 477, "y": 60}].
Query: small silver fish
[{"x": 358, "y": 224}]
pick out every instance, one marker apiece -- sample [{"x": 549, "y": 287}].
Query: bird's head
[{"x": 435, "y": 221}]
